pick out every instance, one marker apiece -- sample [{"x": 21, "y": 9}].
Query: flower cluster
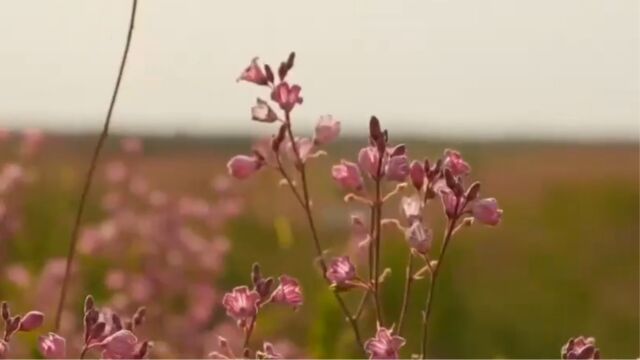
[{"x": 243, "y": 305}]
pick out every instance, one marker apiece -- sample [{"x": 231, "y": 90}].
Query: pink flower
[
  {"x": 419, "y": 237},
  {"x": 268, "y": 352},
  {"x": 384, "y": 345},
  {"x": 4, "y": 349},
  {"x": 287, "y": 97},
  {"x": 241, "y": 303},
  {"x": 412, "y": 208},
  {"x": 305, "y": 147},
  {"x": 116, "y": 172},
  {"x": 131, "y": 145},
  {"x": 31, "y": 321},
  {"x": 347, "y": 175},
  {"x": 262, "y": 112},
  {"x": 486, "y": 211},
  {"x": 243, "y": 166},
  {"x": 580, "y": 348},
  {"x": 253, "y": 73},
  {"x": 397, "y": 168},
  {"x": 417, "y": 174},
  {"x": 455, "y": 163},
  {"x": 288, "y": 292},
  {"x": 449, "y": 202},
  {"x": 340, "y": 271},
  {"x": 368, "y": 160},
  {"x": 327, "y": 130},
  {"x": 119, "y": 345},
  {"x": 52, "y": 346}
]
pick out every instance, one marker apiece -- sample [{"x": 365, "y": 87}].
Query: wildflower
[
  {"x": 417, "y": 174},
  {"x": 327, "y": 130},
  {"x": 262, "y": 112},
  {"x": 305, "y": 147},
  {"x": 347, "y": 175},
  {"x": 450, "y": 203},
  {"x": 241, "y": 303},
  {"x": 31, "y": 321},
  {"x": 397, "y": 168},
  {"x": 119, "y": 345},
  {"x": 268, "y": 352},
  {"x": 419, "y": 237},
  {"x": 455, "y": 163},
  {"x": 254, "y": 74},
  {"x": 286, "y": 96},
  {"x": 243, "y": 166},
  {"x": 412, "y": 208},
  {"x": 580, "y": 348},
  {"x": 368, "y": 158},
  {"x": 340, "y": 271},
  {"x": 384, "y": 345},
  {"x": 52, "y": 346},
  {"x": 288, "y": 292},
  {"x": 131, "y": 145},
  {"x": 4, "y": 349},
  {"x": 486, "y": 211}
]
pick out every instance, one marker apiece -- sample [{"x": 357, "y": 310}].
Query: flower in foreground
[
  {"x": 52, "y": 346},
  {"x": 347, "y": 175},
  {"x": 286, "y": 96},
  {"x": 580, "y": 348},
  {"x": 254, "y": 74},
  {"x": 31, "y": 321},
  {"x": 243, "y": 166},
  {"x": 455, "y": 163},
  {"x": 340, "y": 271},
  {"x": 487, "y": 212},
  {"x": 384, "y": 345},
  {"x": 288, "y": 292},
  {"x": 327, "y": 130},
  {"x": 241, "y": 303}
]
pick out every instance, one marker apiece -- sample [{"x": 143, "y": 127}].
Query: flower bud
[
  {"x": 242, "y": 166},
  {"x": 52, "y": 346},
  {"x": 472, "y": 192},
  {"x": 397, "y": 168},
  {"x": 340, "y": 271},
  {"x": 580, "y": 348},
  {"x": 368, "y": 158},
  {"x": 487, "y": 212},
  {"x": 253, "y": 73},
  {"x": 262, "y": 112},
  {"x": 417, "y": 174},
  {"x": 31, "y": 321},
  {"x": 288, "y": 292}
]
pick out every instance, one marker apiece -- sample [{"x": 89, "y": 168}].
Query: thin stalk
[
  {"x": 248, "y": 332},
  {"x": 407, "y": 293},
  {"x": 92, "y": 167},
  {"x": 314, "y": 233},
  {"x": 432, "y": 285},
  {"x": 378, "y": 226}
]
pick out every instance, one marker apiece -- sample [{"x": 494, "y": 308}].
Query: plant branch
[
  {"x": 92, "y": 167},
  {"x": 407, "y": 293}
]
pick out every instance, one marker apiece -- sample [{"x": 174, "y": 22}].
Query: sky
[{"x": 498, "y": 69}]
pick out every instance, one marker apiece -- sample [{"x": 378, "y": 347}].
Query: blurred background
[{"x": 541, "y": 97}]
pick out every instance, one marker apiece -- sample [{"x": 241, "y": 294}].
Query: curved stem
[
  {"x": 306, "y": 205},
  {"x": 248, "y": 332},
  {"x": 92, "y": 168},
  {"x": 84, "y": 351},
  {"x": 407, "y": 293}
]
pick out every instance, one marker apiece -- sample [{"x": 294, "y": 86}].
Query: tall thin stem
[
  {"x": 92, "y": 168},
  {"x": 314, "y": 233},
  {"x": 378, "y": 237},
  {"x": 407, "y": 293},
  {"x": 432, "y": 285}
]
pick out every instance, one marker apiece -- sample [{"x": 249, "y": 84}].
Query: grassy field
[{"x": 564, "y": 261}]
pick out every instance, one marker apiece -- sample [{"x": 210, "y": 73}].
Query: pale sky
[{"x": 497, "y": 69}]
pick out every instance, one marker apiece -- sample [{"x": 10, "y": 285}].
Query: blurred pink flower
[
  {"x": 115, "y": 280},
  {"x": 340, "y": 271},
  {"x": 288, "y": 292},
  {"x": 131, "y": 145},
  {"x": 305, "y": 148},
  {"x": 347, "y": 175},
  {"x": 242, "y": 166},
  {"x": 262, "y": 112},
  {"x": 449, "y": 202},
  {"x": 119, "y": 345},
  {"x": 52, "y": 346},
  {"x": 254, "y": 74},
  {"x": 327, "y": 130},
  {"x": 411, "y": 208},
  {"x": 397, "y": 168},
  {"x": 287, "y": 97},
  {"x": 384, "y": 345},
  {"x": 268, "y": 351},
  {"x": 419, "y": 237},
  {"x": 32, "y": 140},
  {"x": 580, "y": 348},
  {"x": 31, "y": 321},
  {"x": 368, "y": 158},
  {"x": 486, "y": 211},
  {"x": 455, "y": 163},
  {"x": 116, "y": 172},
  {"x": 19, "y": 275},
  {"x": 4, "y": 349},
  {"x": 241, "y": 303}
]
